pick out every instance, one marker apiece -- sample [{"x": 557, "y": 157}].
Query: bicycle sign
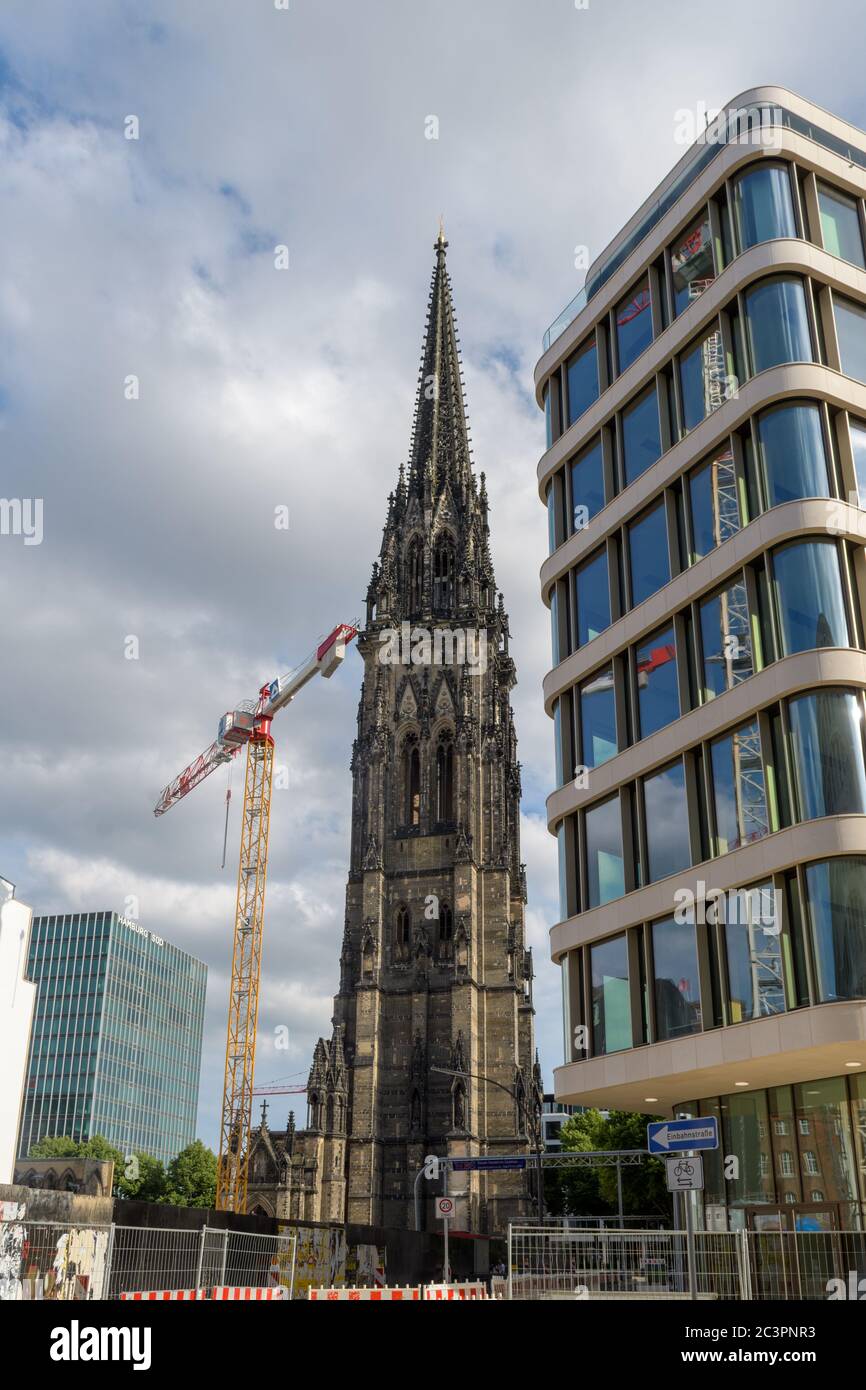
[{"x": 685, "y": 1173}]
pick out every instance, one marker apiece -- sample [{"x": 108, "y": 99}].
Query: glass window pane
[
  {"x": 667, "y": 822},
  {"x": 739, "y": 794},
  {"x": 715, "y": 507},
  {"x": 778, "y": 325},
  {"x": 840, "y": 226},
  {"x": 551, "y": 518},
  {"x": 641, "y": 436},
  {"x": 548, "y": 416},
  {"x": 757, "y": 987},
  {"x": 582, "y": 374},
  {"x": 836, "y": 892},
  {"x": 634, "y": 326},
  {"x": 611, "y": 1005},
  {"x": 763, "y": 209},
  {"x": 657, "y": 688},
  {"x": 858, "y": 445},
  {"x": 827, "y": 739},
  {"x": 692, "y": 264},
  {"x": 648, "y": 554},
  {"x": 747, "y": 1134},
  {"x": 587, "y": 486},
  {"x": 702, "y": 379},
  {"x": 810, "y": 599},
  {"x": 554, "y": 626},
  {"x": 592, "y": 595},
  {"x": 598, "y": 718},
  {"x": 825, "y": 1141},
  {"x": 605, "y": 868},
  {"x": 677, "y": 985},
  {"x": 851, "y": 332},
  {"x": 791, "y": 450}
]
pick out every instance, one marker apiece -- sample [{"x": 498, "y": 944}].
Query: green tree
[
  {"x": 593, "y": 1191},
  {"x": 191, "y": 1179},
  {"x": 61, "y": 1146},
  {"x": 143, "y": 1180}
]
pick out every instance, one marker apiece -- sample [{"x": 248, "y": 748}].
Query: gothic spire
[{"x": 440, "y": 437}]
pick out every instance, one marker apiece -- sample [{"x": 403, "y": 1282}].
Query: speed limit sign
[{"x": 444, "y": 1207}]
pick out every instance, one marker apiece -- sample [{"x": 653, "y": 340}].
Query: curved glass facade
[
  {"x": 791, "y": 451},
  {"x": 809, "y": 596},
  {"x": 827, "y": 753},
  {"x": 777, "y": 323},
  {"x": 763, "y": 207}
]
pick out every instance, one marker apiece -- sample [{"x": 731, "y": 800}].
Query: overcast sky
[{"x": 261, "y": 387}]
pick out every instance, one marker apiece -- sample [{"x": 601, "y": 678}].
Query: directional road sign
[{"x": 675, "y": 1136}]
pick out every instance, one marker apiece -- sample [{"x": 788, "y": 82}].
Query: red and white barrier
[
  {"x": 352, "y": 1295},
  {"x": 455, "y": 1293},
  {"x": 248, "y": 1293},
  {"x": 164, "y": 1295}
]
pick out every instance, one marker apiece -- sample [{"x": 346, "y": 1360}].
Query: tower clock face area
[{"x": 433, "y": 1044}]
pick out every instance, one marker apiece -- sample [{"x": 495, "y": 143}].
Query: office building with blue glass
[
  {"x": 705, "y": 480},
  {"x": 117, "y": 1032}
]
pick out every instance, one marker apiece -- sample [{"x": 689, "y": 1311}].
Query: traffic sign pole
[{"x": 690, "y": 1241}]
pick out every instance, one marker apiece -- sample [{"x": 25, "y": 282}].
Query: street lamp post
[{"x": 533, "y": 1130}]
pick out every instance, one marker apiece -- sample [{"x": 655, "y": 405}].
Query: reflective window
[
  {"x": 714, "y": 503},
  {"x": 677, "y": 984},
  {"x": 702, "y": 379},
  {"x": 810, "y": 598},
  {"x": 739, "y": 793},
  {"x": 840, "y": 226},
  {"x": 554, "y": 626},
  {"x": 657, "y": 689},
  {"x": 763, "y": 207},
  {"x": 757, "y": 987},
  {"x": 836, "y": 893},
  {"x": 551, "y": 518},
  {"x": 641, "y": 436},
  {"x": 557, "y": 743},
  {"x": 725, "y": 640},
  {"x": 587, "y": 486},
  {"x": 634, "y": 325},
  {"x": 747, "y": 1134},
  {"x": 548, "y": 417},
  {"x": 604, "y": 860},
  {"x": 692, "y": 264},
  {"x": 827, "y": 750},
  {"x": 582, "y": 372},
  {"x": 791, "y": 452},
  {"x": 648, "y": 554},
  {"x": 858, "y": 446},
  {"x": 824, "y": 1136},
  {"x": 777, "y": 323},
  {"x": 598, "y": 718},
  {"x": 851, "y": 332},
  {"x": 611, "y": 1006},
  {"x": 667, "y": 822},
  {"x": 592, "y": 596},
  {"x": 562, "y": 861}
]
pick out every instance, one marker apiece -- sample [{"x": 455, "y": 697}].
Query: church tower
[
  {"x": 434, "y": 969},
  {"x": 433, "y": 1044}
]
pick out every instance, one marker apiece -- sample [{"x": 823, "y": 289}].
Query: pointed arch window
[
  {"x": 446, "y": 932},
  {"x": 445, "y": 779},
  {"x": 402, "y": 933},
  {"x": 415, "y": 575},
  {"x": 411, "y": 773},
  {"x": 443, "y": 577}
]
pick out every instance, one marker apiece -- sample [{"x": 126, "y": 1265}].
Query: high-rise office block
[
  {"x": 705, "y": 479},
  {"x": 116, "y": 1042}
]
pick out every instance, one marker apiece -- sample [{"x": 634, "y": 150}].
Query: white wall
[{"x": 17, "y": 1001}]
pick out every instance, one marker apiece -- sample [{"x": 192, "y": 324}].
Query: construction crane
[{"x": 249, "y": 725}]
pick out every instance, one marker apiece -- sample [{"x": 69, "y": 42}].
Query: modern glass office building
[
  {"x": 116, "y": 1041},
  {"x": 705, "y": 479}
]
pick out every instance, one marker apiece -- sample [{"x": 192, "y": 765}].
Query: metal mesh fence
[
  {"x": 583, "y": 1264},
  {"x": 47, "y": 1260}
]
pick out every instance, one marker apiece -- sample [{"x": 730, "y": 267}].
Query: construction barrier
[
  {"x": 249, "y": 1293},
  {"x": 454, "y": 1293},
  {"x": 385, "y": 1294},
  {"x": 434, "y": 1293},
  {"x": 165, "y": 1295}
]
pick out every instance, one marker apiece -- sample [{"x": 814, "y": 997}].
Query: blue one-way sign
[{"x": 674, "y": 1136}]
